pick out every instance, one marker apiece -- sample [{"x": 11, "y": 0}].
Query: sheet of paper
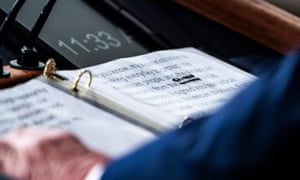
[
  {"x": 183, "y": 82},
  {"x": 38, "y": 104}
]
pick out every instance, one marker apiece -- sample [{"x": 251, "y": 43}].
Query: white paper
[
  {"x": 38, "y": 104},
  {"x": 183, "y": 82}
]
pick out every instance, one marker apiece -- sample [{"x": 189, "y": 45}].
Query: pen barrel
[{"x": 256, "y": 19}]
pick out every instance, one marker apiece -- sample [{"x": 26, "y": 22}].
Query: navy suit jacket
[{"x": 254, "y": 136}]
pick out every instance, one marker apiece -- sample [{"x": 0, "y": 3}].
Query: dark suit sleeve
[{"x": 256, "y": 135}]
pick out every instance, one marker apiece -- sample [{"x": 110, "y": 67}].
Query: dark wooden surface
[
  {"x": 17, "y": 76},
  {"x": 256, "y": 19}
]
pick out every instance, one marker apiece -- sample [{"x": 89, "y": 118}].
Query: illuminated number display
[{"x": 94, "y": 42}]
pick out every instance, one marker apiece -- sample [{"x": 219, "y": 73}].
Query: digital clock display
[
  {"x": 78, "y": 32},
  {"x": 94, "y": 42}
]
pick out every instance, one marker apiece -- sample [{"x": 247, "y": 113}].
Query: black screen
[{"x": 78, "y": 32}]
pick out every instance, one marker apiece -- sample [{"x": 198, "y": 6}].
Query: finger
[{"x": 12, "y": 163}]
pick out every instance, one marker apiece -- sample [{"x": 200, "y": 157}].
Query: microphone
[
  {"x": 5, "y": 26},
  {"x": 29, "y": 56},
  {"x": 10, "y": 18},
  {"x": 39, "y": 24}
]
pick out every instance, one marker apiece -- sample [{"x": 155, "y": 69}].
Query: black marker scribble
[
  {"x": 190, "y": 80},
  {"x": 186, "y": 79}
]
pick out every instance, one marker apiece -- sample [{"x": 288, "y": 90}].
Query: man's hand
[{"x": 46, "y": 154}]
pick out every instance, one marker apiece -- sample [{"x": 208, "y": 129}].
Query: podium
[{"x": 256, "y": 19}]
